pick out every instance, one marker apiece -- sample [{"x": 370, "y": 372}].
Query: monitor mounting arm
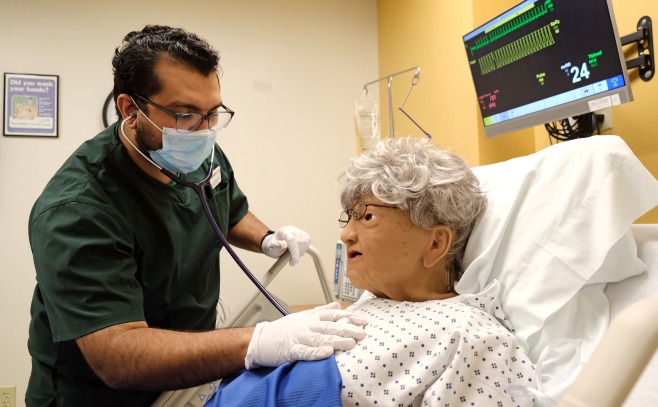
[{"x": 644, "y": 39}]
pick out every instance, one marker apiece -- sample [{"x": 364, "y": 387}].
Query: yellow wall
[
  {"x": 427, "y": 33},
  {"x": 634, "y": 121}
]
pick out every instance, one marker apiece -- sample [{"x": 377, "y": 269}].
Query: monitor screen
[{"x": 546, "y": 60}]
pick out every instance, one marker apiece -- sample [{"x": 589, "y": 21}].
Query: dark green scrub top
[{"x": 112, "y": 245}]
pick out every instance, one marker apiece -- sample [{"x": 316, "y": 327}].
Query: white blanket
[{"x": 453, "y": 352}]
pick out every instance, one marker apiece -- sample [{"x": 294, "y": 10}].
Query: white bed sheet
[
  {"x": 553, "y": 242},
  {"x": 624, "y": 293}
]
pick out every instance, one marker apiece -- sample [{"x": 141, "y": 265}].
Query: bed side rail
[{"x": 618, "y": 360}]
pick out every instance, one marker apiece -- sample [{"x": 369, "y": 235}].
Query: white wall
[{"x": 292, "y": 69}]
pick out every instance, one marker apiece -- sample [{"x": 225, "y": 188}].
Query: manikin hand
[
  {"x": 296, "y": 241},
  {"x": 306, "y": 335}
]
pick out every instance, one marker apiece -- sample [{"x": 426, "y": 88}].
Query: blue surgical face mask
[{"x": 183, "y": 152}]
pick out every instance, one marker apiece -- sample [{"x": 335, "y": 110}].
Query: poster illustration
[{"x": 31, "y": 105}]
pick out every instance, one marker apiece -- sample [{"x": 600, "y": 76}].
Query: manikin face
[
  {"x": 387, "y": 255},
  {"x": 183, "y": 91}
]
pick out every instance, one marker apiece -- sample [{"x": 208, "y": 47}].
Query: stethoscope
[{"x": 203, "y": 190}]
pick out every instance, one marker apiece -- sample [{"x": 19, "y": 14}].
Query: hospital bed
[
  {"x": 624, "y": 365},
  {"x": 559, "y": 235}
]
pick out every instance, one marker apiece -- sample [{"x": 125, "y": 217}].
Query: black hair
[{"x": 135, "y": 59}]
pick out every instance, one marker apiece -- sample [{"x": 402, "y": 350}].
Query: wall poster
[{"x": 31, "y": 105}]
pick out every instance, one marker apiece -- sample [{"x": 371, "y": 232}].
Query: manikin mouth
[{"x": 351, "y": 254}]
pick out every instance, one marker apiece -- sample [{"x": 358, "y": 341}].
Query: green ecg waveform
[
  {"x": 513, "y": 25},
  {"x": 521, "y": 48}
]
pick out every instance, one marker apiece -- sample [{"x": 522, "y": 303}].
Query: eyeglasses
[
  {"x": 188, "y": 122},
  {"x": 358, "y": 212}
]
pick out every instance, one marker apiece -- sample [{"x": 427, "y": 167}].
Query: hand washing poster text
[{"x": 30, "y": 105}]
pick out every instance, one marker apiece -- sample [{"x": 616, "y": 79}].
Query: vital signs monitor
[{"x": 546, "y": 60}]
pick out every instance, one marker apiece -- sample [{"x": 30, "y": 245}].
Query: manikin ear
[
  {"x": 126, "y": 106},
  {"x": 440, "y": 244}
]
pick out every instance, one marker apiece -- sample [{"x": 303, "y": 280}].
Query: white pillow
[{"x": 556, "y": 229}]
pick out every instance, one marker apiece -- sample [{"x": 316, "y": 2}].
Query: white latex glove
[
  {"x": 306, "y": 335},
  {"x": 296, "y": 241}
]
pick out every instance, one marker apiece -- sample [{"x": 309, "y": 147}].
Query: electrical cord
[{"x": 581, "y": 126}]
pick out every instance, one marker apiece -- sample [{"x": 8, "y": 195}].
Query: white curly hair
[{"x": 434, "y": 185}]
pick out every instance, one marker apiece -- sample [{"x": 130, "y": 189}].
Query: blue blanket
[{"x": 314, "y": 384}]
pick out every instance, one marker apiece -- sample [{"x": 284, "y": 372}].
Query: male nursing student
[{"x": 126, "y": 261}]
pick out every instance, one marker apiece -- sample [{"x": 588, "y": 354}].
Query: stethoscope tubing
[{"x": 199, "y": 189}]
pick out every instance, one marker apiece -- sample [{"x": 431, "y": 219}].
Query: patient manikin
[{"x": 409, "y": 210}]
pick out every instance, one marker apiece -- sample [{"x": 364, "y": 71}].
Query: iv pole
[{"x": 390, "y": 94}]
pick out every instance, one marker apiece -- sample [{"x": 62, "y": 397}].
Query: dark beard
[{"x": 146, "y": 139}]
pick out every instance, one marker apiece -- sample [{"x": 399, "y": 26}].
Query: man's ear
[
  {"x": 441, "y": 241},
  {"x": 126, "y": 106}
]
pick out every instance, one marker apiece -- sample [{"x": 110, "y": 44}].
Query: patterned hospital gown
[{"x": 447, "y": 353}]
